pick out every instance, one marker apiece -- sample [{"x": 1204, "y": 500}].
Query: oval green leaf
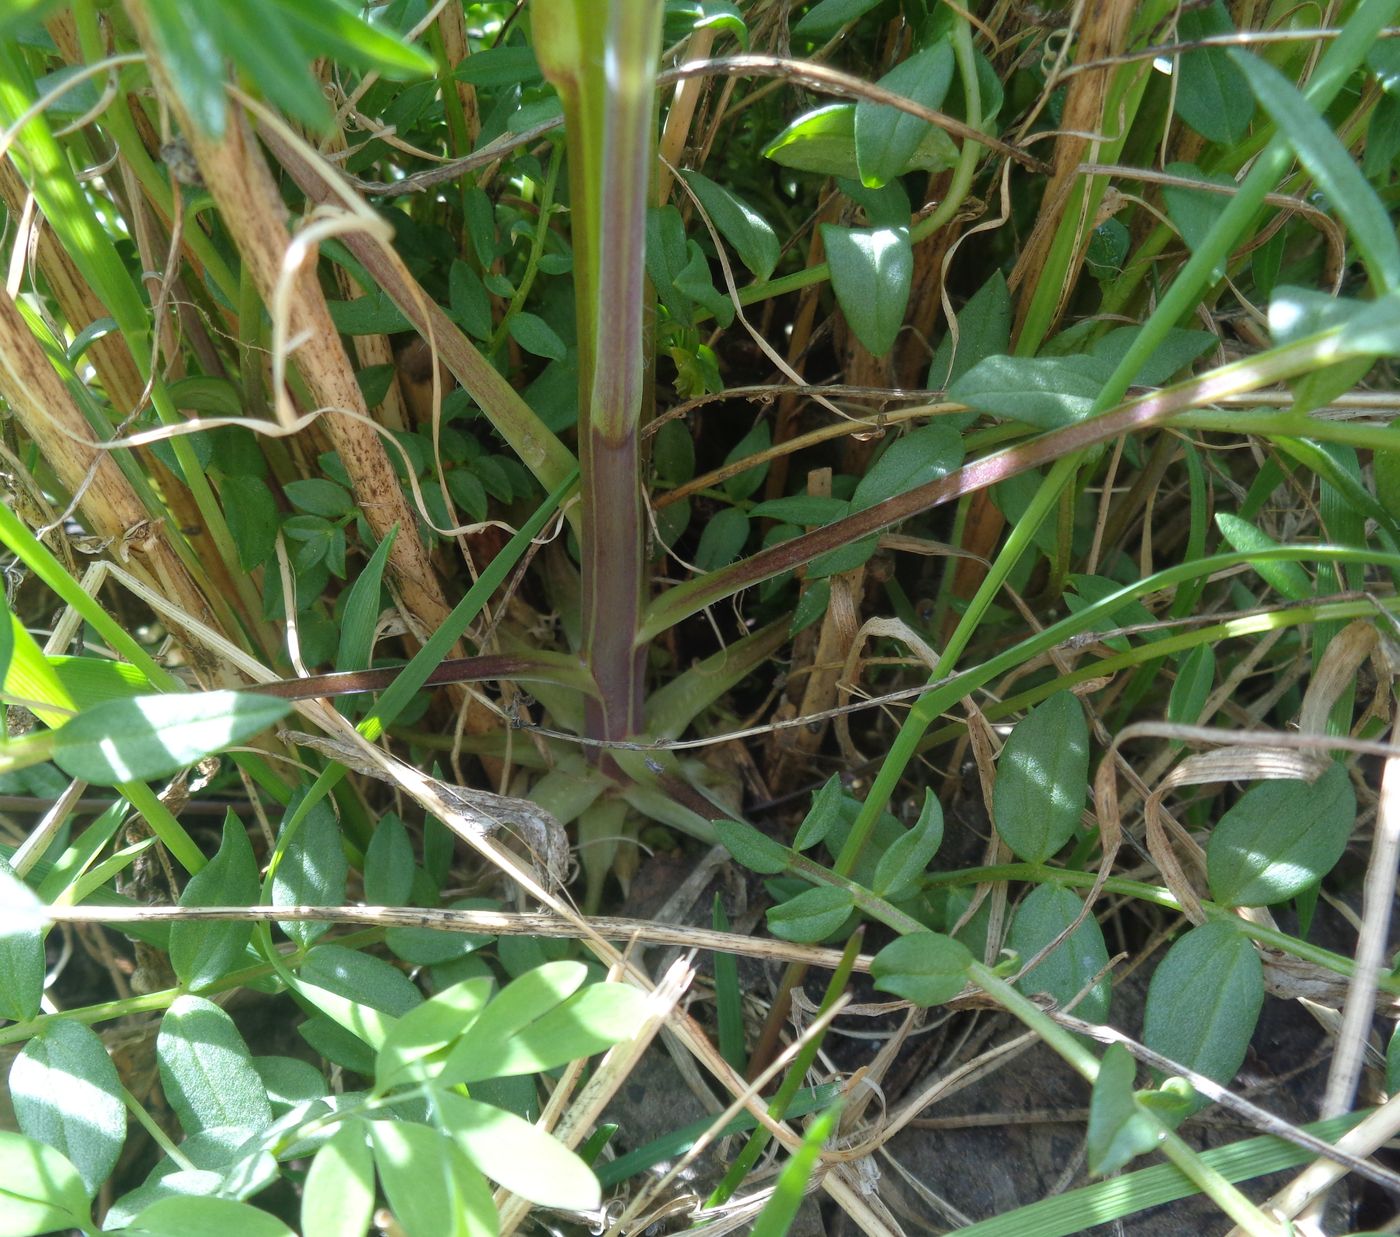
[
  {"x": 927, "y": 968},
  {"x": 512, "y": 1152},
  {"x": 1287, "y": 578},
  {"x": 1204, "y": 1000},
  {"x": 203, "y": 951},
  {"x": 1042, "y": 779},
  {"x": 871, "y": 273},
  {"x": 206, "y": 1071},
  {"x": 146, "y": 737},
  {"x": 1046, "y": 912},
  {"x": 812, "y": 915},
  {"x": 738, "y": 223},
  {"x": 40, "y": 1191},
  {"x": 338, "y": 1197},
  {"x": 1119, "y": 1131},
  {"x": 1280, "y": 838},
  {"x": 66, "y": 1094},
  {"x": 756, "y": 851},
  {"x": 886, "y": 138},
  {"x": 906, "y": 859},
  {"x": 185, "y": 1216}
]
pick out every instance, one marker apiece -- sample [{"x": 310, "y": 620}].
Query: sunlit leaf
[
  {"x": 886, "y": 138},
  {"x": 66, "y": 1094},
  {"x": 147, "y": 737},
  {"x": 1281, "y": 837},
  {"x": 871, "y": 272}
]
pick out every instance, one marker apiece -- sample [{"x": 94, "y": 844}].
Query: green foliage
[
  {"x": 1205, "y": 1025},
  {"x": 1071, "y": 967},
  {"x": 1042, "y": 779},
  {"x": 927, "y": 968},
  {"x": 515, "y": 309},
  {"x": 1280, "y": 838}
]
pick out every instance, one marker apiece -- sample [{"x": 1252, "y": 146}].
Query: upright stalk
[{"x": 602, "y": 60}]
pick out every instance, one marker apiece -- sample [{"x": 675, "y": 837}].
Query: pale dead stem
[
  {"x": 45, "y": 408},
  {"x": 281, "y": 267},
  {"x": 496, "y": 923}
]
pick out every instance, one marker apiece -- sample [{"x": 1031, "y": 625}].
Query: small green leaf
[
  {"x": 312, "y": 872},
  {"x": 206, "y": 1071},
  {"x": 428, "y": 1028},
  {"x": 1280, "y": 838},
  {"x": 1042, "y": 779},
  {"x": 871, "y": 273},
  {"x": 886, "y": 138},
  {"x": 361, "y": 614},
  {"x": 389, "y": 863},
  {"x": 40, "y": 1191},
  {"x": 590, "y": 1021},
  {"x": 372, "y": 314},
  {"x": 251, "y": 513},
  {"x": 824, "y": 813},
  {"x": 514, "y": 1153},
  {"x": 1046, "y": 912},
  {"x": 756, "y": 851},
  {"x": 1287, "y": 578},
  {"x": 21, "y": 948},
  {"x": 290, "y": 1082},
  {"x": 927, "y": 968},
  {"x": 812, "y": 915},
  {"x": 1043, "y": 392},
  {"x": 260, "y": 43},
  {"x": 911, "y": 460},
  {"x": 187, "y": 1216},
  {"x": 1194, "y": 212},
  {"x": 470, "y": 306},
  {"x": 673, "y": 453},
  {"x": 333, "y": 28},
  {"x": 1119, "y": 1131},
  {"x": 723, "y": 539},
  {"x": 1392, "y": 1062},
  {"x": 984, "y": 329},
  {"x": 811, "y": 606},
  {"x": 362, "y": 978},
  {"x": 338, "y": 1197},
  {"x": 317, "y": 496},
  {"x": 67, "y": 1095},
  {"x": 757, "y": 440},
  {"x": 204, "y": 951},
  {"x": 897, "y": 874},
  {"x": 535, "y": 335},
  {"x": 1194, "y": 679},
  {"x": 738, "y": 223},
  {"x": 1177, "y": 349},
  {"x": 433, "y": 1189},
  {"x": 812, "y": 510},
  {"x": 1331, "y": 165},
  {"x": 824, "y": 141},
  {"x": 1212, "y": 95},
  {"x": 1204, "y": 1000},
  {"x": 828, "y": 16},
  {"x": 694, "y": 282},
  {"x": 146, "y": 737}
]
